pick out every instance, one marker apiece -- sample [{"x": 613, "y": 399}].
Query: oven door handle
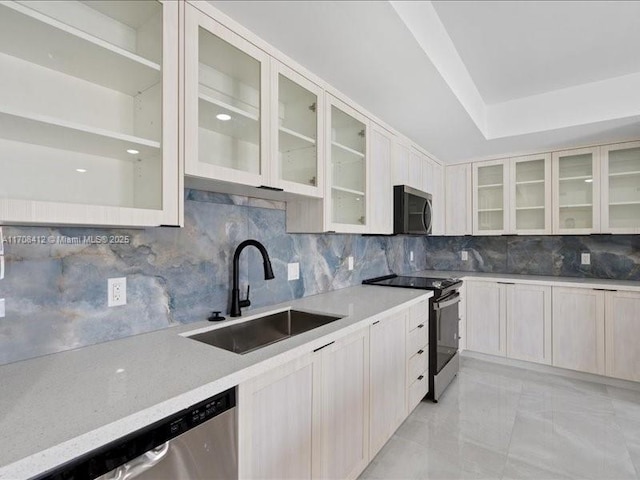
[{"x": 447, "y": 302}]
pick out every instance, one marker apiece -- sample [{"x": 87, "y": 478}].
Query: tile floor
[{"x": 501, "y": 422}]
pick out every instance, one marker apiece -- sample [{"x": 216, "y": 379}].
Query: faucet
[{"x": 236, "y": 303}]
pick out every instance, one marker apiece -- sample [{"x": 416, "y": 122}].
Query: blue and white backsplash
[{"x": 56, "y": 295}]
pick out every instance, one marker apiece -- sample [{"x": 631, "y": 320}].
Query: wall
[
  {"x": 612, "y": 256},
  {"x": 56, "y": 293}
]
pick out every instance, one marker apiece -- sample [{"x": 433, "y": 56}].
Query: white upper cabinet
[
  {"x": 530, "y": 194},
  {"x": 381, "y": 198},
  {"x": 416, "y": 160},
  {"x": 491, "y": 197},
  {"x": 576, "y": 191},
  {"x": 438, "y": 199},
  {"x": 226, "y": 97},
  {"x": 347, "y": 195},
  {"x": 400, "y": 164},
  {"x": 296, "y": 137},
  {"x": 621, "y": 188},
  {"x": 89, "y": 113},
  {"x": 458, "y": 216}
]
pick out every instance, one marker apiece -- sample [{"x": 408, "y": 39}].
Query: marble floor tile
[{"x": 501, "y": 422}]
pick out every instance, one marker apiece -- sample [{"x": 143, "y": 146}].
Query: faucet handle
[{"x": 246, "y": 302}]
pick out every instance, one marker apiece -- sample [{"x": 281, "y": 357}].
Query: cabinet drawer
[
  {"x": 418, "y": 365},
  {"x": 417, "y": 391},
  {"x": 419, "y": 314},
  {"x": 418, "y": 339}
]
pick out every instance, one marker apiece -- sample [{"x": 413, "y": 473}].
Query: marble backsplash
[{"x": 56, "y": 293}]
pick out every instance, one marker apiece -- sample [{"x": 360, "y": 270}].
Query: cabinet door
[
  {"x": 622, "y": 324},
  {"x": 400, "y": 164},
  {"x": 347, "y": 196},
  {"x": 428, "y": 183},
  {"x": 529, "y": 323},
  {"x": 415, "y": 169},
  {"x": 275, "y": 412},
  {"x": 89, "y": 113},
  {"x": 576, "y": 191},
  {"x": 490, "y": 198},
  {"x": 486, "y": 318},
  {"x": 438, "y": 200},
  {"x": 458, "y": 187},
  {"x": 530, "y": 194},
  {"x": 621, "y": 188},
  {"x": 578, "y": 329},
  {"x": 341, "y": 419},
  {"x": 296, "y": 136},
  {"x": 387, "y": 379},
  {"x": 381, "y": 217},
  {"x": 226, "y": 96}
]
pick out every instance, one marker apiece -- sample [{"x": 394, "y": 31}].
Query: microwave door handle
[
  {"x": 430, "y": 205},
  {"x": 424, "y": 215}
]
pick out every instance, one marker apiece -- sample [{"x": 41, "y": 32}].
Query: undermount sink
[{"x": 254, "y": 334}]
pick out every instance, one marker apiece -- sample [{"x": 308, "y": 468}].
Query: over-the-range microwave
[{"x": 412, "y": 211}]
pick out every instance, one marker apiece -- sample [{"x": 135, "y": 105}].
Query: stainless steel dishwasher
[{"x": 197, "y": 443}]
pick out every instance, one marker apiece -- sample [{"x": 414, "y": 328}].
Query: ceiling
[{"x": 460, "y": 78}]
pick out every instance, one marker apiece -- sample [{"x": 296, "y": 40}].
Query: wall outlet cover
[
  {"x": 585, "y": 259},
  {"x": 2, "y": 311},
  {"x": 116, "y": 291},
  {"x": 1, "y": 242},
  {"x": 464, "y": 255},
  {"x": 411, "y": 256},
  {"x": 1, "y": 267},
  {"x": 293, "y": 271},
  {"x": 350, "y": 263}
]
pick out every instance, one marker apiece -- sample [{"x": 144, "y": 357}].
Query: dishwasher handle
[{"x": 138, "y": 465}]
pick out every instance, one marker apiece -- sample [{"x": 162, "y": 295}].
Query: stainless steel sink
[{"x": 253, "y": 334}]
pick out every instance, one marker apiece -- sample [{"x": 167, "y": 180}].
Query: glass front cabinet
[
  {"x": 491, "y": 197},
  {"x": 530, "y": 194},
  {"x": 346, "y": 196},
  {"x": 620, "y": 188},
  {"x": 576, "y": 191},
  {"x": 89, "y": 113}
]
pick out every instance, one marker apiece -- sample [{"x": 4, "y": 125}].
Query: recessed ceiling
[
  {"x": 518, "y": 49},
  {"x": 399, "y": 61}
]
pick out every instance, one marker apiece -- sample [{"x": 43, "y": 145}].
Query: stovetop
[{"x": 421, "y": 283}]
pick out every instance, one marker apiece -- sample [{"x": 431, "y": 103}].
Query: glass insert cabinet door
[
  {"x": 348, "y": 157},
  {"x": 577, "y": 191},
  {"x": 531, "y": 194},
  {"x": 297, "y": 132},
  {"x": 226, "y": 95},
  {"x": 621, "y": 188},
  {"x": 490, "y": 197},
  {"x": 88, "y": 112}
]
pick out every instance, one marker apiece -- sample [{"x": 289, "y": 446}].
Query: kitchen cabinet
[
  {"x": 491, "y": 197},
  {"x": 400, "y": 164},
  {"x": 415, "y": 179},
  {"x": 89, "y": 97},
  {"x": 275, "y": 421},
  {"x": 486, "y": 317},
  {"x": 417, "y": 357},
  {"x": 341, "y": 417},
  {"x": 620, "y": 177},
  {"x": 438, "y": 199},
  {"x": 529, "y": 322},
  {"x": 388, "y": 387},
  {"x": 578, "y": 329},
  {"x": 622, "y": 335},
  {"x": 530, "y": 194},
  {"x": 576, "y": 191},
  {"x": 458, "y": 188},
  {"x": 381, "y": 217}
]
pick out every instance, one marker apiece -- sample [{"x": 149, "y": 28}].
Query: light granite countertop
[
  {"x": 58, "y": 407},
  {"x": 536, "y": 279}
]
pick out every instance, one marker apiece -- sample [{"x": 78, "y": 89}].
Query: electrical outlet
[
  {"x": 116, "y": 291},
  {"x": 1, "y": 267},
  {"x": 411, "y": 256},
  {"x": 1, "y": 242},
  {"x": 585, "y": 258},
  {"x": 350, "y": 263},
  {"x": 293, "y": 271},
  {"x": 2, "y": 312},
  {"x": 464, "y": 255}
]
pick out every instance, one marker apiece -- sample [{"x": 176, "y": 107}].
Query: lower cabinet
[
  {"x": 417, "y": 358},
  {"x": 529, "y": 322},
  {"x": 388, "y": 407},
  {"x": 622, "y": 334},
  {"x": 578, "y": 329},
  {"x": 486, "y": 318}
]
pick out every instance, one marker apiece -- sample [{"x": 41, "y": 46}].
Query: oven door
[{"x": 446, "y": 314}]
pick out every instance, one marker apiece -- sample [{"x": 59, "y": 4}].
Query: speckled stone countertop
[
  {"x": 536, "y": 279},
  {"x": 58, "y": 407}
]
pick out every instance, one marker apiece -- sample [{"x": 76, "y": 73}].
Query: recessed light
[
  {"x": 133, "y": 151},
  {"x": 120, "y": 370},
  {"x": 589, "y": 180},
  {"x": 81, "y": 170},
  {"x": 224, "y": 117}
]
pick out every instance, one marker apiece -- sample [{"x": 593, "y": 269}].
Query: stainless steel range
[{"x": 444, "y": 360}]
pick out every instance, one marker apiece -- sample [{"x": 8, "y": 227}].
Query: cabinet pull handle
[
  {"x": 324, "y": 346},
  {"x": 420, "y": 377},
  {"x": 267, "y": 187},
  {"x": 505, "y": 283},
  {"x": 420, "y": 352},
  {"x": 604, "y": 290},
  {"x": 376, "y": 322},
  {"x": 421, "y": 325}
]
